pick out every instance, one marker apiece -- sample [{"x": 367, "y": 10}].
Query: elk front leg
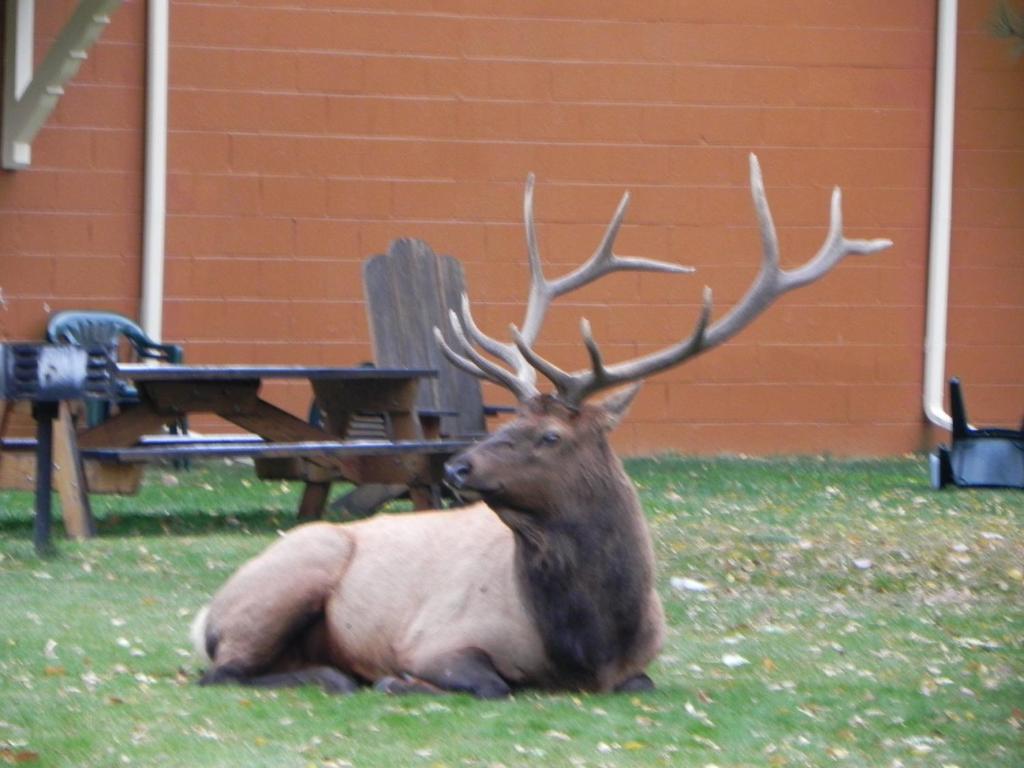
[{"x": 466, "y": 671}]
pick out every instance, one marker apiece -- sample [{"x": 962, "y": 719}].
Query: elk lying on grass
[{"x": 548, "y": 581}]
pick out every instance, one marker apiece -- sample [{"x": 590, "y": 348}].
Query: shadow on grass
[{"x": 179, "y": 523}]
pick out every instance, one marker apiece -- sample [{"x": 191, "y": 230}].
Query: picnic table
[{"x": 404, "y": 450}]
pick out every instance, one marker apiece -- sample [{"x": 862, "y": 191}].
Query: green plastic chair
[{"x": 107, "y": 329}]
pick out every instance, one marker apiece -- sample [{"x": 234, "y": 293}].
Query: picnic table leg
[
  {"x": 314, "y": 499},
  {"x": 71, "y": 485},
  {"x": 425, "y": 497},
  {"x": 407, "y": 425},
  {"x": 44, "y": 413}
]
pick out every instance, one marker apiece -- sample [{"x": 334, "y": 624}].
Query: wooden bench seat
[
  {"x": 257, "y": 448},
  {"x": 22, "y": 444}
]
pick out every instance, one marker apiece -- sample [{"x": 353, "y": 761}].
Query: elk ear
[{"x": 614, "y": 407}]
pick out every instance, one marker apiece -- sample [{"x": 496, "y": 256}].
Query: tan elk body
[{"x": 547, "y": 582}]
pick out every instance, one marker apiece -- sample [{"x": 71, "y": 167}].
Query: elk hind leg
[
  {"x": 266, "y": 626},
  {"x": 330, "y": 679}
]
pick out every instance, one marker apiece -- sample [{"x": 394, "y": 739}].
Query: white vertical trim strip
[
  {"x": 155, "y": 180},
  {"x": 941, "y": 216}
]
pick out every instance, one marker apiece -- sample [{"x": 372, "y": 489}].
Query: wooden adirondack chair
[{"x": 409, "y": 291}]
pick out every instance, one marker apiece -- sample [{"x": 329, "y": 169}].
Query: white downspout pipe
[
  {"x": 941, "y": 217},
  {"x": 155, "y": 180}
]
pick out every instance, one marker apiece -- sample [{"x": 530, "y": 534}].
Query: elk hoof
[
  {"x": 220, "y": 676},
  {"x": 639, "y": 684},
  {"x": 406, "y": 684},
  {"x": 498, "y": 689},
  {"x": 334, "y": 682}
]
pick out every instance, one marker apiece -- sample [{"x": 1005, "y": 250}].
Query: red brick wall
[
  {"x": 70, "y": 227},
  {"x": 304, "y": 139},
  {"x": 986, "y": 320}
]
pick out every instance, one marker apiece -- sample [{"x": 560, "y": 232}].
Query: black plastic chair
[
  {"x": 107, "y": 329},
  {"x": 977, "y": 457}
]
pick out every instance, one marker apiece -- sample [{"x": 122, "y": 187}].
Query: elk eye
[{"x": 550, "y": 438}]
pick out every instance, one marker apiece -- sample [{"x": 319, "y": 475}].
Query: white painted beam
[{"x": 30, "y": 96}]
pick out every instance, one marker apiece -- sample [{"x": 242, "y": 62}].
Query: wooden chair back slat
[{"x": 409, "y": 291}]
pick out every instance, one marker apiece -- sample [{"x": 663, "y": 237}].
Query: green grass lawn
[{"x": 852, "y": 617}]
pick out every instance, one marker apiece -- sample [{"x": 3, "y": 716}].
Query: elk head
[
  {"x": 562, "y": 424},
  {"x": 551, "y": 454}
]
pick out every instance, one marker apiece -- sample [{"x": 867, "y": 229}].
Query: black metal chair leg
[
  {"x": 44, "y": 414},
  {"x": 957, "y": 410}
]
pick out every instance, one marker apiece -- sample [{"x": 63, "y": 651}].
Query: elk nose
[{"x": 456, "y": 472}]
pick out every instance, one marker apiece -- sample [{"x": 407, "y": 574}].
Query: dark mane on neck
[{"x": 587, "y": 571}]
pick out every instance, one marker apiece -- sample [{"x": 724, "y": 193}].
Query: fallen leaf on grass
[
  {"x": 17, "y": 756},
  {"x": 698, "y": 714},
  {"x": 733, "y": 660},
  {"x": 705, "y": 742},
  {"x": 688, "y": 585},
  {"x": 533, "y": 751},
  {"x": 974, "y": 643}
]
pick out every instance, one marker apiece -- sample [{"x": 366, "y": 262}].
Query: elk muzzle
[
  {"x": 457, "y": 471},
  {"x": 459, "y": 476}
]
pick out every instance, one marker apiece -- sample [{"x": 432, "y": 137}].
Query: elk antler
[
  {"x": 771, "y": 282},
  {"x": 523, "y": 376}
]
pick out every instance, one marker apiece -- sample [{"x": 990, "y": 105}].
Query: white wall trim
[
  {"x": 941, "y": 216},
  {"x": 30, "y": 96},
  {"x": 154, "y": 216}
]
